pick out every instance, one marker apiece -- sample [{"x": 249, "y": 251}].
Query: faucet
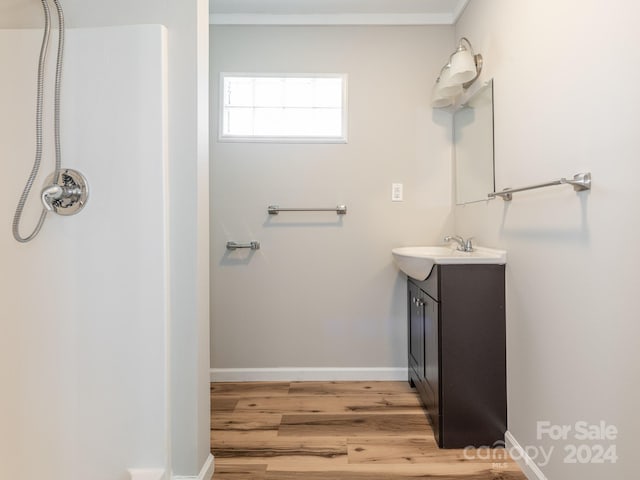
[{"x": 463, "y": 245}]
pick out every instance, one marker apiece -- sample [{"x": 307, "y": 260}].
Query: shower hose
[{"x": 39, "y": 114}]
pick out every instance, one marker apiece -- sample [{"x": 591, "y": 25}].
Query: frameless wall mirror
[{"x": 473, "y": 146}]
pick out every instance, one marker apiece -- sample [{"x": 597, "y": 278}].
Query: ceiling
[{"x": 336, "y": 12}]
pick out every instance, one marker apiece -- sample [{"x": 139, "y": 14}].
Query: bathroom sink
[{"x": 417, "y": 262}]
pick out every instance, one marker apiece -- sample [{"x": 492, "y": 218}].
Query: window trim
[{"x": 282, "y": 139}]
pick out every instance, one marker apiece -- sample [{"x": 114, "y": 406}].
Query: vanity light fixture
[{"x": 458, "y": 74}]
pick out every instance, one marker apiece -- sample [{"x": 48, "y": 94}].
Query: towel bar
[
  {"x": 580, "y": 182},
  {"x": 275, "y": 209},
  {"x": 252, "y": 245}
]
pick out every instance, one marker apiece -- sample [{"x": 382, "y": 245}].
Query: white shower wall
[{"x": 84, "y": 307}]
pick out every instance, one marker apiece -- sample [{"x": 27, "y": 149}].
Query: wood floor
[{"x": 335, "y": 431}]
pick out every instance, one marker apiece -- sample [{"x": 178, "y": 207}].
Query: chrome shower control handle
[
  {"x": 67, "y": 195},
  {"x": 50, "y": 194}
]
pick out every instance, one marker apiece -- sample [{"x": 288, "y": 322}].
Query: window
[{"x": 283, "y": 108}]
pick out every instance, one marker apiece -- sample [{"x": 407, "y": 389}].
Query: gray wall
[
  {"x": 566, "y": 101},
  {"x": 322, "y": 291}
]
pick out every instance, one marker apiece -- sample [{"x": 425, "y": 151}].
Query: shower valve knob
[
  {"x": 50, "y": 194},
  {"x": 67, "y": 195}
]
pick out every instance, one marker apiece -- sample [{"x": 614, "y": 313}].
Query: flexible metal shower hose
[{"x": 39, "y": 113}]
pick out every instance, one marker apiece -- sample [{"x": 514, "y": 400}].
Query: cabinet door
[
  {"x": 416, "y": 331},
  {"x": 432, "y": 358}
]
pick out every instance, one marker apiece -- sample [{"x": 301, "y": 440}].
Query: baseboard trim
[
  {"x": 146, "y": 473},
  {"x": 206, "y": 473},
  {"x": 526, "y": 463},
  {"x": 307, "y": 374}
]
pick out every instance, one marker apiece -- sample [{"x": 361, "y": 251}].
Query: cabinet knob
[{"x": 419, "y": 302}]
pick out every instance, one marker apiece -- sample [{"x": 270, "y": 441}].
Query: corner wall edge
[{"x": 524, "y": 461}]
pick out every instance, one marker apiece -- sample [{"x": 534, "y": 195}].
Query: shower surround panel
[{"x": 83, "y": 349}]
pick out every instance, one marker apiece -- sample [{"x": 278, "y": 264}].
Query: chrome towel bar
[
  {"x": 252, "y": 245},
  {"x": 580, "y": 182},
  {"x": 275, "y": 209}
]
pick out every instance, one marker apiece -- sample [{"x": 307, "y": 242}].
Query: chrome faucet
[{"x": 463, "y": 245}]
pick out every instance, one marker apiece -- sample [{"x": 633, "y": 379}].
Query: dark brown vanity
[{"x": 457, "y": 352}]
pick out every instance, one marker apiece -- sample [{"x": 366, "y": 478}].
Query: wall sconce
[{"x": 458, "y": 74}]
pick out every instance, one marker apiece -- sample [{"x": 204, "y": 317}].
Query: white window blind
[{"x": 284, "y": 108}]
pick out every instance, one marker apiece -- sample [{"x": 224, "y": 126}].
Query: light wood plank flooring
[{"x": 334, "y": 431}]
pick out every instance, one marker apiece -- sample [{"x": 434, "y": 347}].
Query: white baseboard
[
  {"x": 528, "y": 466},
  {"x": 206, "y": 472},
  {"x": 146, "y": 473},
  {"x": 307, "y": 374}
]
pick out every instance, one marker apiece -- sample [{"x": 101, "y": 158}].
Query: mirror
[{"x": 473, "y": 146}]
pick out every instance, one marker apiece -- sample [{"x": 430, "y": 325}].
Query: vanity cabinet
[
  {"x": 416, "y": 330},
  {"x": 457, "y": 352}
]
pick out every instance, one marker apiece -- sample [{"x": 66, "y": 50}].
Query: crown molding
[{"x": 343, "y": 19}]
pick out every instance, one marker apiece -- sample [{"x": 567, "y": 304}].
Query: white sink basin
[{"x": 417, "y": 262}]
